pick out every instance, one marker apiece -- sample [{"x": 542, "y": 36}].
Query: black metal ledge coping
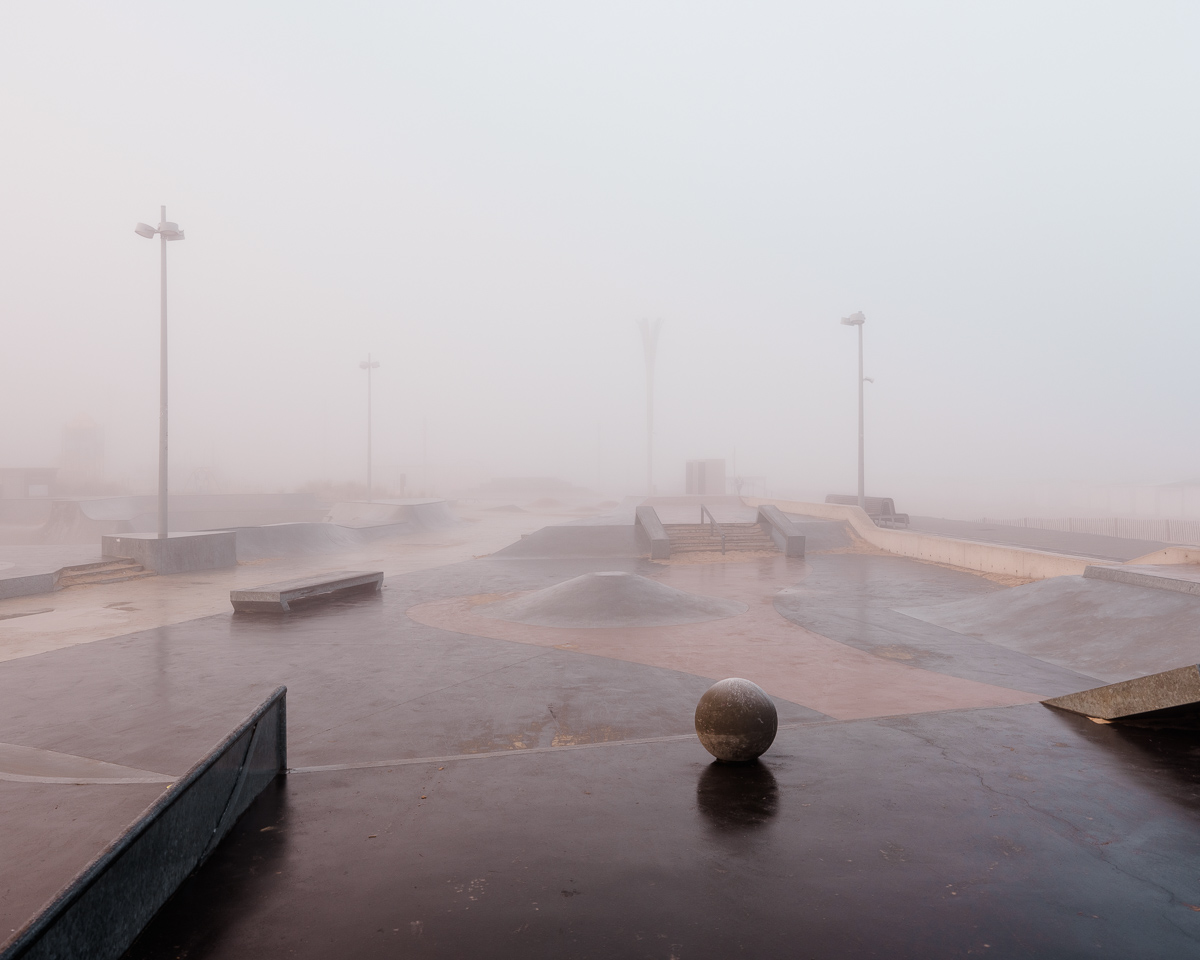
[{"x": 99, "y": 914}]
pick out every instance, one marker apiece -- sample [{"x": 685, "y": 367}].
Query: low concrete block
[
  {"x": 648, "y": 526},
  {"x": 783, "y": 531},
  {"x": 1130, "y": 698},
  {"x": 176, "y": 553},
  {"x": 278, "y": 597},
  {"x": 26, "y": 586}
]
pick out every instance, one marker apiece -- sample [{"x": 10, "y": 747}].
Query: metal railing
[{"x": 714, "y": 527}]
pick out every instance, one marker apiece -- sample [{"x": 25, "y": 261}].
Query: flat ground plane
[{"x": 468, "y": 782}]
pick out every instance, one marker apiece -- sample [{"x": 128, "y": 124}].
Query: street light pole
[
  {"x": 166, "y": 231},
  {"x": 857, "y": 320},
  {"x": 650, "y": 333},
  {"x": 368, "y": 366}
]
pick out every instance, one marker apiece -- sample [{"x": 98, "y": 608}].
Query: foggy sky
[{"x": 487, "y": 197}]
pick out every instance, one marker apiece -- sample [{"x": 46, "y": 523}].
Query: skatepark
[{"x": 495, "y": 753}]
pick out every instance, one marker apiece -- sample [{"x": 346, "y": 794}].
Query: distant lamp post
[
  {"x": 650, "y": 333},
  {"x": 368, "y": 365},
  {"x": 166, "y": 231},
  {"x": 857, "y": 320}
]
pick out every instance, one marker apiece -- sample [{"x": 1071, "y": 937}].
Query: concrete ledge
[
  {"x": 968, "y": 554},
  {"x": 278, "y": 597},
  {"x": 1154, "y": 579},
  {"x": 100, "y": 913},
  {"x": 177, "y": 553},
  {"x": 1131, "y": 698},
  {"x": 648, "y": 525},
  {"x": 786, "y": 534},
  {"x": 27, "y": 586}
]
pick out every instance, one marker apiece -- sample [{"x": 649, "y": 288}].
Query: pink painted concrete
[{"x": 788, "y": 661}]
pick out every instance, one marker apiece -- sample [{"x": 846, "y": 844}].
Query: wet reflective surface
[
  {"x": 1009, "y": 831},
  {"x": 737, "y": 796}
]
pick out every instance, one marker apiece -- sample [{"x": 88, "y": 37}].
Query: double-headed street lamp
[
  {"x": 857, "y": 320},
  {"x": 368, "y": 365},
  {"x": 166, "y": 231}
]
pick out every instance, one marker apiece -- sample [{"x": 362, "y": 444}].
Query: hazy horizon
[{"x": 488, "y": 197}]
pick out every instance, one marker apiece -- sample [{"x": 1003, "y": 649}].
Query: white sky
[{"x": 487, "y": 196}]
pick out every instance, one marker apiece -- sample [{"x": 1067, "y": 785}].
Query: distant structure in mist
[{"x": 82, "y": 466}]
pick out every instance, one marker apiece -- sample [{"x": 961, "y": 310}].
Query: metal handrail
[{"x": 713, "y": 525}]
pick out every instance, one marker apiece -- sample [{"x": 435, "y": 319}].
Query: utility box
[{"x": 706, "y": 477}]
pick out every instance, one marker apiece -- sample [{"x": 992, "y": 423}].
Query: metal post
[
  {"x": 862, "y": 487},
  {"x": 162, "y": 385},
  {"x": 369, "y": 365},
  {"x": 650, "y": 333},
  {"x": 370, "y": 484},
  {"x": 857, "y": 320}
]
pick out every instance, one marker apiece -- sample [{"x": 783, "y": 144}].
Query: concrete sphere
[{"x": 736, "y": 720}]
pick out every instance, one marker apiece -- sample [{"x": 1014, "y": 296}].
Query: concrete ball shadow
[
  {"x": 736, "y": 720},
  {"x": 611, "y": 599}
]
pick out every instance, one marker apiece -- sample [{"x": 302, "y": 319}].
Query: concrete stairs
[
  {"x": 102, "y": 571},
  {"x": 699, "y": 538}
]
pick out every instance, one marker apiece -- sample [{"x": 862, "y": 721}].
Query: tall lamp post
[
  {"x": 857, "y": 320},
  {"x": 650, "y": 333},
  {"x": 368, "y": 365},
  {"x": 166, "y": 231}
]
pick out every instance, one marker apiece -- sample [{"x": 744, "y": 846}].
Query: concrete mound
[
  {"x": 611, "y": 599},
  {"x": 1110, "y": 631}
]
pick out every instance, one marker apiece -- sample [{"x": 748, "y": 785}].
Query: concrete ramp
[
  {"x": 570, "y": 541},
  {"x": 424, "y": 514},
  {"x": 1110, "y": 631},
  {"x": 1139, "y": 698},
  {"x": 303, "y": 539},
  {"x": 611, "y": 599},
  {"x": 822, "y": 535}
]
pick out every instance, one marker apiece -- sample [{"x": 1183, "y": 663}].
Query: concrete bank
[{"x": 968, "y": 554}]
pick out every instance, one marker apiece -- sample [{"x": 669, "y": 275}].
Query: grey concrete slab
[
  {"x": 280, "y": 597},
  {"x": 1054, "y": 541},
  {"x": 176, "y": 552},
  {"x": 1111, "y": 631}
]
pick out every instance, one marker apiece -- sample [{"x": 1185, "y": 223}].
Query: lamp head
[
  {"x": 854, "y": 320},
  {"x": 170, "y": 231},
  {"x": 145, "y": 230}
]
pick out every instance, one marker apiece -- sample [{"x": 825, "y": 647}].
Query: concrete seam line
[
  {"x": 84, "y": 781},
  {"x": 524, "y": 751}
]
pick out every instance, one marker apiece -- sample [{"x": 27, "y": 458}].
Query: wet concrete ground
[{"x": 458, "y": 793}]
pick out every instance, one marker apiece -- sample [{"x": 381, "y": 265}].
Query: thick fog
[{"x": 487, "y": 197}]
